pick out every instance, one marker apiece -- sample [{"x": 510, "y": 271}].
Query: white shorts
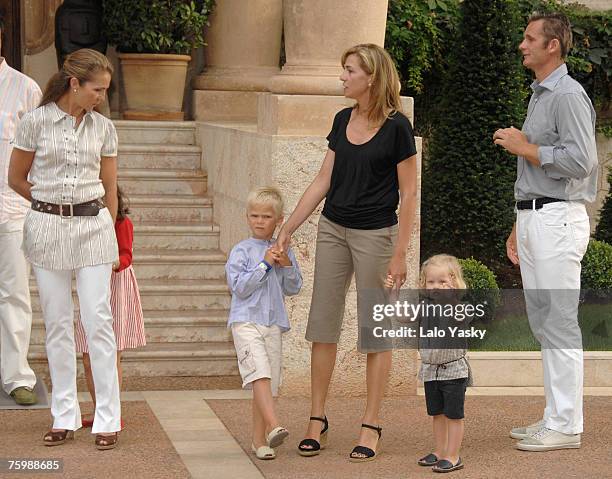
[{"x": 259, "y": 349}]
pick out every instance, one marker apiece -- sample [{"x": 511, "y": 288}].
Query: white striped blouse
[
  {"x": 18, "y": 95},
  {"x": 66, "y": 170}
]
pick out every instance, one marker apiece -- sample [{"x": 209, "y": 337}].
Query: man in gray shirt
[{"x": 556, "y": 175}]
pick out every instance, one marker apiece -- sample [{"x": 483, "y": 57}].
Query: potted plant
[{"x": 153, "y": 39}]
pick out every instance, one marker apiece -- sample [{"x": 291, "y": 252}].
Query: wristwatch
[{"x": 264, "y": 265}]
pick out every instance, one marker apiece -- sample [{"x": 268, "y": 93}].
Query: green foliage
[
  {"x": 467, "y": 180},
  {"x": 156, "y": 26},
  {"x": 590, "y": 59},
  {"x": 597, "y": 267},
  {"x": 603, "y": 232},
  {"x": 605, "y": 130},
  {"x": 482, "y": 286},
  {"x": 419, "y": 36},
  {"x": 417, "y": 33}
]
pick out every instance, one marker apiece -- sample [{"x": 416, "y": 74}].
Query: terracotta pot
[{"x": 154, "y": 85}]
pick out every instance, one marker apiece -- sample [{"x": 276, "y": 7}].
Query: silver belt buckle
[{"x": 61, "y": 210}]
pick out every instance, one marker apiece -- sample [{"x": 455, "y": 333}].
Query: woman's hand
[
  {"x": 397, "y": 269},
  {"x": 282, "y": 242}
]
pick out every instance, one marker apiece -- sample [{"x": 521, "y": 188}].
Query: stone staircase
[{"x": 177, "y": 260}]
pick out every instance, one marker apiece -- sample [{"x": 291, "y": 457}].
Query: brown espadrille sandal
[
  {"x": 57, "y": 438},
  {"x": 104, "y": 442}
]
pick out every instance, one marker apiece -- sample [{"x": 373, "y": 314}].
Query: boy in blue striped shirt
[{"x": 259, "y": 276}]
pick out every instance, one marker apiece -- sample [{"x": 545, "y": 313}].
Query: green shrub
[
  {"x": 603, "y": 232},
  {"x": 467, "y": 180},
  {"x": 482, "y": 286},
  {"x": 597, "y": 267},
  {"x": 158, "y": 26}
]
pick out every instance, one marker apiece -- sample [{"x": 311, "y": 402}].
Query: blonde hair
[
  {"x": 266, "y": 196},
  {"x": 444, "y": 260},
  {"x": 385, "y": 87},
  {"x": 82, "y": 65}
]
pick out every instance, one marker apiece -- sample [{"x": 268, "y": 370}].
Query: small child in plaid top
[{"x": 444, "y": 368}]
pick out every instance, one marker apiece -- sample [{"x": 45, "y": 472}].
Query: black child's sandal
[
  {"x": 365, "y": 453},
  {"x": 312, "y": 447}
]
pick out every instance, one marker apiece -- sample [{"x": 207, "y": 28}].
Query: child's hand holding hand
[
  {"x": 281, "y": 257},
  {"x": 389, "y": 282},
  {"x": 269, "y": 257}
]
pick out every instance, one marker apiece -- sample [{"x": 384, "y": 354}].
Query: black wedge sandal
[
  {"x": 312, "y": 447},
  {"x": 368, "y": 454}
]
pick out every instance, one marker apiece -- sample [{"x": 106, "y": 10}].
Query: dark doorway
[{"x": 11, "y": 34}]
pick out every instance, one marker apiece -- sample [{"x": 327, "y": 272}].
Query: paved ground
[
  {"x": 204, "y": 434},
  {"x": 488, "y": 452},
  {"x": 144, "y": 447}
]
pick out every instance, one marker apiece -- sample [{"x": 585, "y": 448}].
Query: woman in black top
[{"x": 370, "y": 165}]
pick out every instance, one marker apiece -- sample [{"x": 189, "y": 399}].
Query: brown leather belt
[{"x": 90, "y": 208}]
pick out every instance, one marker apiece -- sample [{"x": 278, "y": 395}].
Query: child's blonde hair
[
  {"x": 444, "y": 260},
  {"x": 266, "y": 196}
]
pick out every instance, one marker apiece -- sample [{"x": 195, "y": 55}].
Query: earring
[{"x": 369, "y": 84}]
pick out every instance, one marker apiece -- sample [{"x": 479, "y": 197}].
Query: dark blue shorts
[{"x": 446, "y": 397}]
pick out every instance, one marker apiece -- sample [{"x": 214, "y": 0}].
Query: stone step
[
  {"x": 170, "y": 294},
  {"x": 173, "y": 132},
  {"x": 179, "y": 264},
  {"x": 184, "y": 236},
  {"x": 162, "y": 182},
  {"x": 167, "y": 326},
  {"x": 167, "y": 359},
  {"x": 168, "y": 156},
  {"x": 170, "y": 209}
]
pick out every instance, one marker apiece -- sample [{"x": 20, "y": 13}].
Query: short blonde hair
[
  {"x": 444, "y": 260},
  {"x": 266, "y": 196},
  {"x": 385, "y": 90}
]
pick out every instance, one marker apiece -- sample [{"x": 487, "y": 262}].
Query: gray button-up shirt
[{"x": 561, "y": 120}]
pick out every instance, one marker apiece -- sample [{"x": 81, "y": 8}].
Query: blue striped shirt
[{"x": 257, "y": 294}]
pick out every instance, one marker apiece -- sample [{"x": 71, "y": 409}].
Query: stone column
[
  {"x": 242, "y": 55},
  {"x": 317, "y": 32}
]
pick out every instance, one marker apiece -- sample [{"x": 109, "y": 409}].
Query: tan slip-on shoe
[{"x": 24, "y": 396}]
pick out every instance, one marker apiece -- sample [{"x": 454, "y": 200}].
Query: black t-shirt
[{"x": 364, "y": 189}]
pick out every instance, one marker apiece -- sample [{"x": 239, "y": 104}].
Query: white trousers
[
  {"x": 551, "y": 244},
  {"x": 93, "y": 289},
  {"x": 15, "y": 310}
]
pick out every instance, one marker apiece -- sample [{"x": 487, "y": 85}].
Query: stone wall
[{"x": 597, "y": 4}]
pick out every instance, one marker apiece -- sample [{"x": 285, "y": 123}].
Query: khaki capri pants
[{"x": 340, "y": 253}]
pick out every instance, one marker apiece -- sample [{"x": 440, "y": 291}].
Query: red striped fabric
[{"x": 128, "y": 321}]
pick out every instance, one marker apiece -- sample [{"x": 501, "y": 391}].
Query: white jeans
[
  {"x": 15, "y": 310},
  {"x": 551, "y": 243},
  {"x": 93, "y": 289}
]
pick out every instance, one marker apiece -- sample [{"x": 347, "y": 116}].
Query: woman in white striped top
[{"x": 65, "y": 162}]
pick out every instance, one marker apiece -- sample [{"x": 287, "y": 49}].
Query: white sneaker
[
  {"x": 526, "y": 431},
  {"x": 548, "y": 440}
]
